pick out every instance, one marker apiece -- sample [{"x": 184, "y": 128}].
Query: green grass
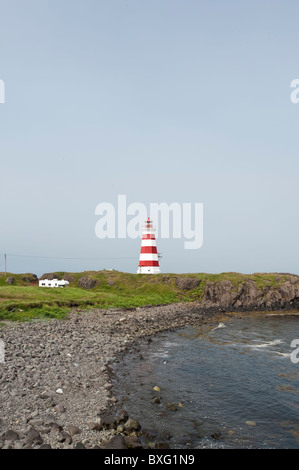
[{"x": 26, "y": 301}]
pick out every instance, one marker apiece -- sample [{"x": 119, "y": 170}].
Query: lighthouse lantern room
[{"x": 149, "y": 258}]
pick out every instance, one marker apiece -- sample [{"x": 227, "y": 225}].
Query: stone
[
  {"x": 132, "y": 425},
  {"x": 171, "y": 406},
  {"x": 116, "y": 442},
  {"x": 156, "y": 400},
  {"x": 10, "y": 280},
  {"x": 108, "y": 421},
  {"x": 10, "y": 435},
  {"x": 55, "y": 427},
  {"x": 59, "y": 409},
  {"x": 50, "y": 276},
  {"x": 161, "y": 445},
  {"x": 33, "y": 437},
  {"x": 96, "y": 426},
  {"x": 30, "y": 278},
  {"x": 216, "y": 435},
  {"x": 73, "y": 430},
  {"x": 48, "y": 394},
  {"x": 65, "y": 438},
  {"x": 87, "y": 282},
  {"x": 132, "y": 442},
  {"x": 69, "y": 278},
  {"x": 123, "y": 416},
  {"x": 187, "y": 283},
  {"x": 79, "y": 445}
]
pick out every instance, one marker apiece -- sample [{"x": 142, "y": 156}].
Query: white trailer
[{"x": 53, "y": 283}]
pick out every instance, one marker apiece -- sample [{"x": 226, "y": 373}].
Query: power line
[{"x": 64, "y": 258}]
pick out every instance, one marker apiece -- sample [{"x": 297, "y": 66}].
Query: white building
[{"x": 53, "y": 283}]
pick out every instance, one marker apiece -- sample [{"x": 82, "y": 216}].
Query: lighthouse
[{"x": 149, "y": 259}]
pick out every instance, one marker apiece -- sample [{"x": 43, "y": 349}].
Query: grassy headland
[{"x": 25, "y": 300}]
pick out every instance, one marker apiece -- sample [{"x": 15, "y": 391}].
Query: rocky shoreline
[{"x": 56, "y": 389}]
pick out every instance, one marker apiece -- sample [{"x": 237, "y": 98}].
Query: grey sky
[{"x": 173, "y": 101}]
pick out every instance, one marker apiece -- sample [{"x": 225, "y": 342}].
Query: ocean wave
[
  {"x": 264, "y": 345},
  {"x": 221, "y": 325}
]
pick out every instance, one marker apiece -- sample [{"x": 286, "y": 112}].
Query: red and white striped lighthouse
[{"x": 149, "y": 259}]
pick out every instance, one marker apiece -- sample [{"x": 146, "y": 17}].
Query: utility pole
[{"x": 5, "y": 264}]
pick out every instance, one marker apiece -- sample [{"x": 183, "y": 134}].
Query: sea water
[{"x": 233, "y": 384}]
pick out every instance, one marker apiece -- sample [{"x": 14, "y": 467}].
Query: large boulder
[
  {"x": 187, "y": 283},
  {"x": 220, "y": 294},
  {"x": 49, "y": 276},
  {"x": 247, "y": 295},
  {"x": 10, "y": 280},
  {"x": 87, "y": 282},
  {"x": 29, "y": 278},
  {"x": 69, "y": 278}
]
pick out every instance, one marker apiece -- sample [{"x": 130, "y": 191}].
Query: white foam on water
[
  {"x": 282, "y": 354},
  {"x": 221, "y": 325},
  {"x": 264, "y": 345}
]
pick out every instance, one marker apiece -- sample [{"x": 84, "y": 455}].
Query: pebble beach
[{"x": 55, "y": 382}]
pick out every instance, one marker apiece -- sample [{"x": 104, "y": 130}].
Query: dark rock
[
  {"x": 56, "y": 427},
  {"x": 45, "y": 446},
  {"x": 216, "y": 435},
  {"x": 156, "y": 400},
  {"x": 87, "y": 282},
  {"x": 132, "y": 425},
  {"x": 69, "y": 278},
  {"x": 184, "y": 440},
  {"x": 10, "y": 435},
  {"x": 33, "y": 437},
  {"x": 59, "y": 409},
  {"x": 108, "y": 420},
  {"x": 95, "y": 426},
  {"x": 116, "y": 442},
  {"x": 10, "y": 280},
  {"x": 30, "y": 278},
  {"x": 171, "y": 406},
  {"x": 73, "y": 430},
  {"x": 161, "y": 445},
  {"x": 123, "y": 416},
  {"x": 149, "y": 433},
  {"x": 50, "y": 276},
  {"x": 164, "y": 435},
  {"x": 65, "y": 438},
  {"x": 48, "y": 394},
  {"x": 187, "y": 283},
  {"x": 248, "y": 296},
  {"x": 79, "y": 445},
  {"x": 49, "y": 420},
  {"x": 132, "y": 442}
]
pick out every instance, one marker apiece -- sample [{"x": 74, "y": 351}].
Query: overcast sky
[{"x": 163, "y": 101}]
